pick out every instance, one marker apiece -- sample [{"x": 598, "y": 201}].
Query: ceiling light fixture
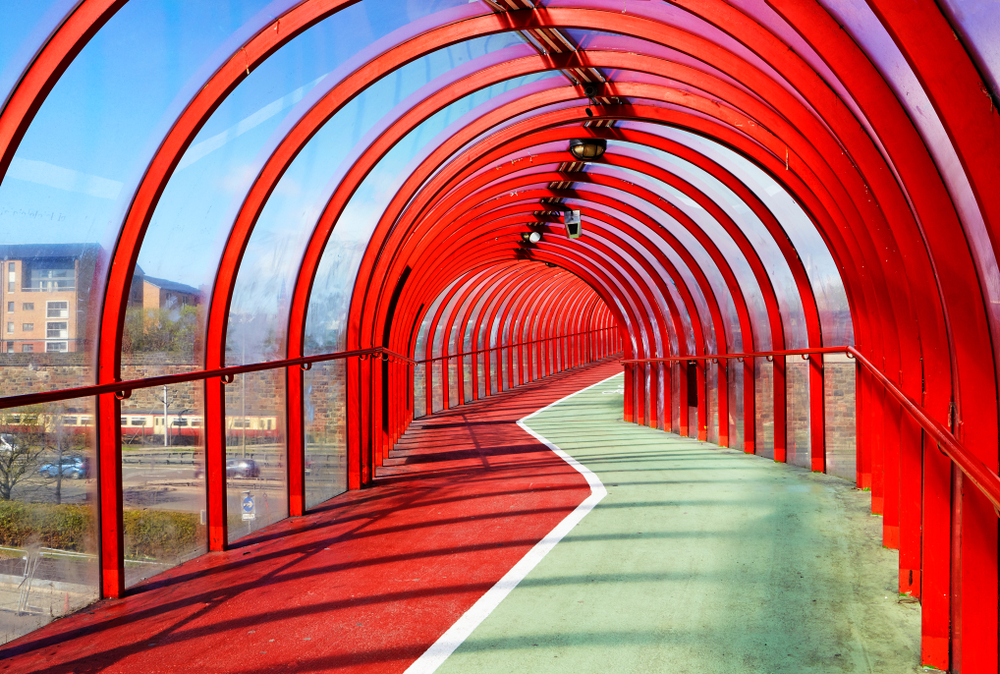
[{"x": 587, "y": 149}]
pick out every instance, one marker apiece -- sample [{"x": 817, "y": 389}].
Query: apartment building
[
  {"x": 46, "y": 289},
  {"x": 44, "y": 296}
]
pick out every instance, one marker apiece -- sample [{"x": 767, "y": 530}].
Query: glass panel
[
  {"x": 325, "y": 402},
  {"x": 797, "y": 419},
  {"x": 823, "y": 275},
  {"x": 28, "y": 26},
  {"x": 438, "y": 386},
  {"x": 775, "y": 266},
  {"x": 712, "y": 383},
  {"x": 675, "y": 399},
  {"x": 839, "y": 378},
  {"x": 736, "y": 404},
  {"x": 764, "y": 401},
  {"x": 199, "y": 203},
  {"x": 73, "y": 173},
  {"x": 255, "y": 449},
  {"x": 48, "y": 548},
  {"x": 163, "y": 471},
  {"x": 453, "y": 375},
  {"x": 419, "y": 391}
]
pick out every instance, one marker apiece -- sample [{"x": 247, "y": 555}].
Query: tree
[
  {"x": 22, "y": 449},
  {"x": 174, "y": 330}
]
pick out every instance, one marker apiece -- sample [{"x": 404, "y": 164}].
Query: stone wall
[{"x": 264, "y": 391}]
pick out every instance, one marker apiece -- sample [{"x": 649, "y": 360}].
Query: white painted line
[{"x": 439, "y": 651}]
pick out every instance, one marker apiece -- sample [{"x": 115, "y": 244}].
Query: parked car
[
  {"x": 242, "y": 468},
  {"x": 8, "y": 443},
  {"x": 71, "y": 466}
]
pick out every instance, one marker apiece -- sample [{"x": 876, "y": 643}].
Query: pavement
[
  {"x": 365, "y": 582},
  {"x": 697, "y": 559}
]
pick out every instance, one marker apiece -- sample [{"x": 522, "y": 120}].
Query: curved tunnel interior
[{"x": 254, "y": 241}]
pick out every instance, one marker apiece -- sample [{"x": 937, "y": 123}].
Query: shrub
[
  {"x": 149, "y": 534},
  {"x": 161, "y": 534},
  {"x": 65, "y": 527}
]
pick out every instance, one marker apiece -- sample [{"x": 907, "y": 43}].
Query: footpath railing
[
  {"x": 974, "y": 469},
  {"x": 515, "y": 345},
  {"x": 123, "y": 389}
]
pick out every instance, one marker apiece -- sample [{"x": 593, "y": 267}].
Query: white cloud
[
  {"x": 209, "y": 145},
  {"x": 61, "y": 178}
]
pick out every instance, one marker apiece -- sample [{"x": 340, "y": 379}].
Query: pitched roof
[
  {"x": 164, "y": 284},
  {"x": 31, "y": 251}
]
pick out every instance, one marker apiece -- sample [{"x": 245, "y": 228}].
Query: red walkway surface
[{"x": 366, "y": 582}]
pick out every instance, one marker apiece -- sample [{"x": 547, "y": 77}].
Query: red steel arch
[{"x": 781, "y": 85}]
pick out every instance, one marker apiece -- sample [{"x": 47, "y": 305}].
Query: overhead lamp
[
  {"x": 587, "y": 149},
  {"x": 531, "y": 237},
  {"x": 574, "y": 226}
]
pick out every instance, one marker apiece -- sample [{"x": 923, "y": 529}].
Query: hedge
[{"x": 149, "y": 534}]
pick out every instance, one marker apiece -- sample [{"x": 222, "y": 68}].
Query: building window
[
  {"x": 11, "y": 278},
  {"x": 138, "y": 421},
  {"x": 27, "y": 306},
  {"x": 27, "y": 348},
  {"x": 57, "y": 309},
  {"x": 52, "y": 279},
  {"x": 57, "y": 330},
  {"x": 10, "y": 326},
  {"x": 10, "y": 349},
  {"x": 10, "y": 306},
  {"x": 56, "y": 347},
  {"x": 28, "y": 327}
]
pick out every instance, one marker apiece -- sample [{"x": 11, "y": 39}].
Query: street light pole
[{"x": 166, "y": 425}]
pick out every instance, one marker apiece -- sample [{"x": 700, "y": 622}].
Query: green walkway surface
[{"x": 699, "y": 559}]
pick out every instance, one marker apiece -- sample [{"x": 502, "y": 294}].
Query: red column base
[
  {"x": 934, "y": 652},
  {"x": 878, "y": 504},
  {"x": 890, "y": 536}
]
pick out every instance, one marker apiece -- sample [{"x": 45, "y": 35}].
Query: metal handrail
[
  {"x": 123, "y": 389},
  {"x": 740, "y": 356},
  {"x": 509, "y": 346},
  {"x": 978, "y": 472}
]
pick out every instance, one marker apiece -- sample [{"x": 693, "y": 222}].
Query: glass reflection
[
  {"x": 255, "y": 450},
  {"x": 839, "y": 379},
  {"x": 325, "y": 401},
  {"x": 797, "y": 416},
  {"x": 163, "y": 471},
  {"x": 48, "y": 546}
]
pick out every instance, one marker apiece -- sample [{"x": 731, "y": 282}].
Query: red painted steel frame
[
  {"x": 48, "y": 65},
  {"x": 861, "y": 208}
]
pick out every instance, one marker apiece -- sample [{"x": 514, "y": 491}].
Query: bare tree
[{"x": 22, "y": 447}]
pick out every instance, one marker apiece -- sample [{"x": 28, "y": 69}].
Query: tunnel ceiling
[
  {"x": 336, "y": 175},
  {"x": 773, "y": 176},
  {"x": 790, "y": 175}
]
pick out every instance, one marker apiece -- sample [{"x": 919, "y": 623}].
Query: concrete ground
[{"x": 699, "y": 560}]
